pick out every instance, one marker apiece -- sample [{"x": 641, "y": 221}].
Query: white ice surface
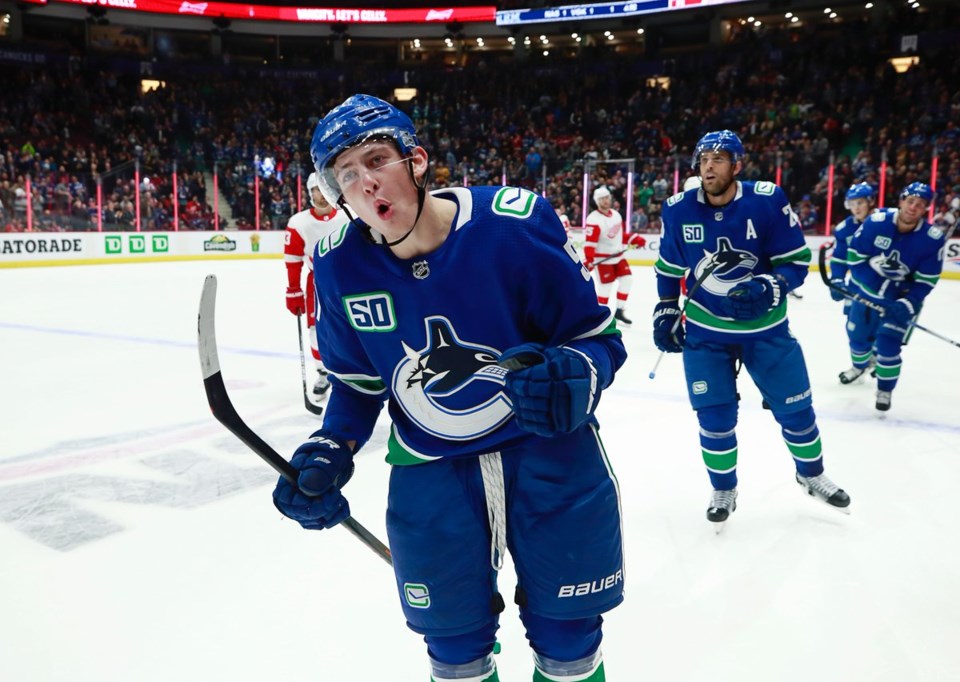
[{"x": 138, "y": 541}]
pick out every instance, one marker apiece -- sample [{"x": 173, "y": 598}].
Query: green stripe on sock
[
  {"x": 887, "y": 372},
  {"x": 805, "y": 450},
  {"x": 720, "y": 461},
  {"x": 861, "y": 358}
]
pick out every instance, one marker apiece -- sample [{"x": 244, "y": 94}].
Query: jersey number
[
  {"x": 693, "y": 234},
  {"x": 371, "y": 312},
  {"x": 575, "y": 257}
]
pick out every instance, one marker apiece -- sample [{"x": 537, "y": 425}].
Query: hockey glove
[
  {"x": 553, "y": 390},
  {"x": 754, "y": 298},
  {"x": 325, "y": 464},
  {"x": 835, "y": 293},
  {"x": 665, "y": 337},
  {"x": 296, "y": 303},
  {"x": 635, "y": 241},
  {"x": 896, "y": 318}
]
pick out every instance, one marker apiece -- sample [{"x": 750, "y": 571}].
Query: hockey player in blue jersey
[
  {"x": 742, "y": 245},
  {"x": 469, "y": 311},
  {"x": 859, "y": 201},
  {"x": 895, "y": 259}
]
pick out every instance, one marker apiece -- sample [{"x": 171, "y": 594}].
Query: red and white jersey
[
  {"x": 305, "y": 229},
  {"x": 604, "y": 234}
]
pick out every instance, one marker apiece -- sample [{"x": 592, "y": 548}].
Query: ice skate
[
  {"x": 884, "y": 399},
  {"x": 851, "y": 375},
  {"x": 621, "y": 318},
  {"x": 823, "y": 489},
  {"x": 722, "y": 504},
  {"x": 322, "y": 384}
]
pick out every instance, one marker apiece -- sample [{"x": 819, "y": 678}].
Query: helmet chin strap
[{"x": 421, "y": 196}]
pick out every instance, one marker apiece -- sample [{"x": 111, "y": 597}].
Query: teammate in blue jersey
[
  {"x": 895, "y": 259},
  {"x": 859, "y": 201},
  {"x": 469, "y": 311},
  {"x": 740, "y": 248}
]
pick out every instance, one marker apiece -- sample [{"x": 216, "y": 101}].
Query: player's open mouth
[{"x": 382, "y": 208}]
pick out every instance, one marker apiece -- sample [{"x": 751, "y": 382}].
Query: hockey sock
[
  {"x": 861, "y": 358},
  {"x": 888, "y": 372},
  {"x": 603, "y": 293},
  {"x": 552, "y": 638},
  {"x": 588, "y": 669},
  {"x": 718, "y": 444},
  {"x": 802, "y": 437},
  {"x": 624, "y": 284},
  {"x": 482, "y": 670}
]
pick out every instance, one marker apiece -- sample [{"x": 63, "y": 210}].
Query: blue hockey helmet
[
  {"x": 358, "y": 119},
  {"x": 917, "y": 189},
  {"x": 860, "y": 190},
  {"x": 718, "y": 141}
]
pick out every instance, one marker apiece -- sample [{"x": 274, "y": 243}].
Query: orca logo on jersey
[
  {"x": 890, "y": 266},
  {"x": 450, "y": 388},
  {"x": 734, "y": 267}
]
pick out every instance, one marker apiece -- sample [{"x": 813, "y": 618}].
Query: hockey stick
[
  {"x": 611, "y": 257},
  {"x": 707, "y": 271},
  {"x": 857, "y": 298},
  {"x": 311, "y": 408},
  {"x": 224, "y": 411}
]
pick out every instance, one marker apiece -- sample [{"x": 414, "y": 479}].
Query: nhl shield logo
[{"x": 421, "y": 269}]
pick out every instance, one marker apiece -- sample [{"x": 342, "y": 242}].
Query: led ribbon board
[
  {"x": 345, "y": 15},
  {"x": 607, "y": 10}
]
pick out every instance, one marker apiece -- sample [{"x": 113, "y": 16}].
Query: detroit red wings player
[
  {"x": 606, "y": 242},
  {"x": 304, "y": 230}
]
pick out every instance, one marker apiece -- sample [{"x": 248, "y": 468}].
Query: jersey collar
[
  {"x": 324, "y": 218},
  {"x": 702, "y": 197}
]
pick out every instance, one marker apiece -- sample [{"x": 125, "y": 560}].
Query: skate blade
[{"x": 718, "y": 526}]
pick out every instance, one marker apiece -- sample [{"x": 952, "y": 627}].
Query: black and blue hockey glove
[
  {"x": 325, "y": 464},
  {"x": 553, "y": 390},
  {"x": 754, "y": 298},
  {"x": 836, "y": 292},
  {"x": 896, "y": 317},
  {"x": 666, "y": 314}
]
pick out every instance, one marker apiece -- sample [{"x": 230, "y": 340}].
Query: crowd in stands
[{"x": 799, "y": 98}]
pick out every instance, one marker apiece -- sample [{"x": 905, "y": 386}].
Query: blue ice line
[{"x": 143, "y": 339}]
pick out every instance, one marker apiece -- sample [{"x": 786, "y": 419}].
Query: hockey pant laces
[{"x": 491, "y": 471}]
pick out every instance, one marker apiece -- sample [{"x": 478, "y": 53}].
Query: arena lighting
[
  {"x": 609, "y": 10},
  {"x": 346, "y": 15},
  {"x": 148, "y": 84},
  {"x": 404, "y": 94},
  {"x": 904, "y": 64}
]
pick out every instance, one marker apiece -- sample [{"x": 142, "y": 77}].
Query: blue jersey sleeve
[
  {"x": 560, "y": 302},
  {"x": 929, "y": 266},
  {"x": 671, "y": 266},
  {"x": 788, "y": 251},
  {"x": 357, "y": 392},
  {"x": 842, "y": 236}
]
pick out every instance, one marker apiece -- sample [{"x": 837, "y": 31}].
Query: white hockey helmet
[
  {"x": 600, "y": 192},
  {"x": 313, "y": 182}
]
